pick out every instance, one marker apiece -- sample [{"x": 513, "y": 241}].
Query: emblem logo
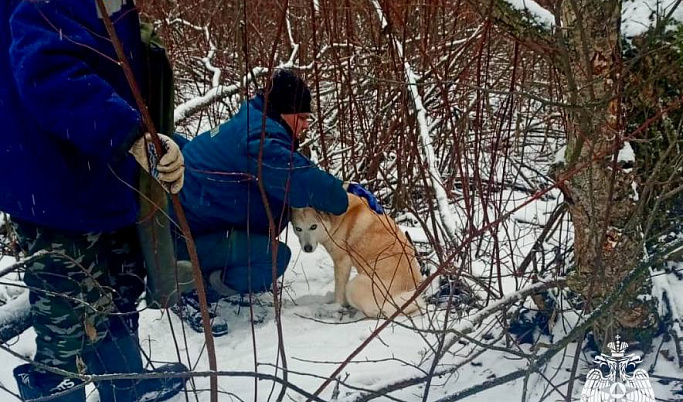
[{"x": 623, "y": 382}]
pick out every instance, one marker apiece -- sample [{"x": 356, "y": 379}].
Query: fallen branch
[
  {"x": 501, "y": 304},
  {"x": 578, "y": 330},
  {"x": 409, "y": 382}
]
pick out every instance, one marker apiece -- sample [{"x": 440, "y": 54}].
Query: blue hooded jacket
[
  {"x": 68, "y": 115},
  {"x": 221, "y": 168}
]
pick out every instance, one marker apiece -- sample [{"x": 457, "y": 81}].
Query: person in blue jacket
[
  {"x": 229, "y": 217},
  {"x": 70, "y": 160}
]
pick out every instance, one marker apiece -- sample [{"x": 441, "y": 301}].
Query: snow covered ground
[{"x": 319, "y": 336}]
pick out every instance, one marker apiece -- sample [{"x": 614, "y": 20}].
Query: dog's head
[{"x": 309, "y": 227}]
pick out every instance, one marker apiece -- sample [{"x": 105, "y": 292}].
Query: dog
[{"x": 388, "y": 272}]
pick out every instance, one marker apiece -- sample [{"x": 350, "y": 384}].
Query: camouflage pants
[{"x": 85, "y": 288}]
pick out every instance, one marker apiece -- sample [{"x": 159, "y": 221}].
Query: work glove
[
  {"x": 169, "y": 171},
  {"x": 357, "y": 189}
]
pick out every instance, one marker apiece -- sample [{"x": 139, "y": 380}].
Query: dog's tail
[
  {"x": 365, "y": 296},
  {"x": 415, "y": 307}
]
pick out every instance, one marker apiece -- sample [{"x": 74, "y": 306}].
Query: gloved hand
[
  {"x": 169, "y": 171},
  {"x": 357, "y": 189}
]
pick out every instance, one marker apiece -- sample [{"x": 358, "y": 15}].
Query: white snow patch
[
  {"x": 635, "y": 196},
  {"x": 539, "y": 13},
  {"x": 637, "y": 16},
  {"x": 17, "y": 307},
  {"x": 560, "y": 158},
  {"x": 626, "y": 153}
]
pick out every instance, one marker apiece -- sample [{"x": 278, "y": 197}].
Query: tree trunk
[{"x": 600, "y": 195}]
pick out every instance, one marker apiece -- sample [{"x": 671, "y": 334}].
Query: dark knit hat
[{"x": 289, "y": 94}]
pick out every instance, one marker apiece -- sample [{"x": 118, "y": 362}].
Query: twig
[
  {"x": 557, "y": 214},
  {"x": 575, "y": 365},
  {"x": 447, "y": 218},
  {"x": 21, "y": 263},
  {"x": 409, "y": 382},
  {"x": 180, "y": 214},
  {"x": 269, "y": 213}
]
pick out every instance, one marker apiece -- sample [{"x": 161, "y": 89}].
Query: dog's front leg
[{"x": 342, "y": 270}]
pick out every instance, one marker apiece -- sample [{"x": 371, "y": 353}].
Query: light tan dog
[{"x": 388, "y": 272}]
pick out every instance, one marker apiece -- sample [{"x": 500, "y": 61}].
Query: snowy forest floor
[{"x": 318, "y": 336}]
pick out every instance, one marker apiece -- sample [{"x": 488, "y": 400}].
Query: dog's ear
[{"x": 324, "y": 216}]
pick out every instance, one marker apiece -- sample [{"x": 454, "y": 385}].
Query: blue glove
[{"x": 373, "y": 202}]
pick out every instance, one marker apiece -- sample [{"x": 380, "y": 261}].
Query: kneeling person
[{"x": 226, "y": 211}]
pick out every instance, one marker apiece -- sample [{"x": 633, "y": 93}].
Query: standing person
[
  {"x": 70, "y": 161},
  {"x": 222, "y": 200}
]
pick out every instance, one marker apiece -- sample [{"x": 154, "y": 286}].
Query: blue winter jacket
[
  {"x": 221, "y": 169},
  {"x": 67, "y": 114}
]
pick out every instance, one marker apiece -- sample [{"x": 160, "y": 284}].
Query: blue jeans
[{"x": 246, "y": 260}]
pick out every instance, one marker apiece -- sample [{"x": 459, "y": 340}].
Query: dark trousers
[{"x": 245, "y": 259}]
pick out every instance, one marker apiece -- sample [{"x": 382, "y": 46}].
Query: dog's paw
[
  {"x": 333, "y": 307},
  {"x": 339, "y": 312},
  {"x": 329, "y": 298},
  {"x": 329, "y": 311}
]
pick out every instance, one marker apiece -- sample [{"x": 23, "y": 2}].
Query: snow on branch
[
  {"x": 186, "y": 109},
  {"x": 534, "y": 11},
  {"x": 524, "y": 19},
  {"x": 206, "y": 60},
  {"x": 447, "y": 217},
  {"x": 468, "y": 324},
  {"x": 217, "y": 91}
]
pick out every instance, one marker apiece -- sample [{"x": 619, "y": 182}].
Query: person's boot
[
  {"x": 34, "y": 384},
  {"x": 188, "y": 310},
  {"x": 122, "y": 355}
]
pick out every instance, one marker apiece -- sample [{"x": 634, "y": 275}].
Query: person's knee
[
  {"x": 257, "y": 276},
  {"x": 284, "y": 255}
]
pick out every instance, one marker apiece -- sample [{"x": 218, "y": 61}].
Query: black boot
[
  {"x": 122, "y": 355},
  {"x": 35, "y": 384}
]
